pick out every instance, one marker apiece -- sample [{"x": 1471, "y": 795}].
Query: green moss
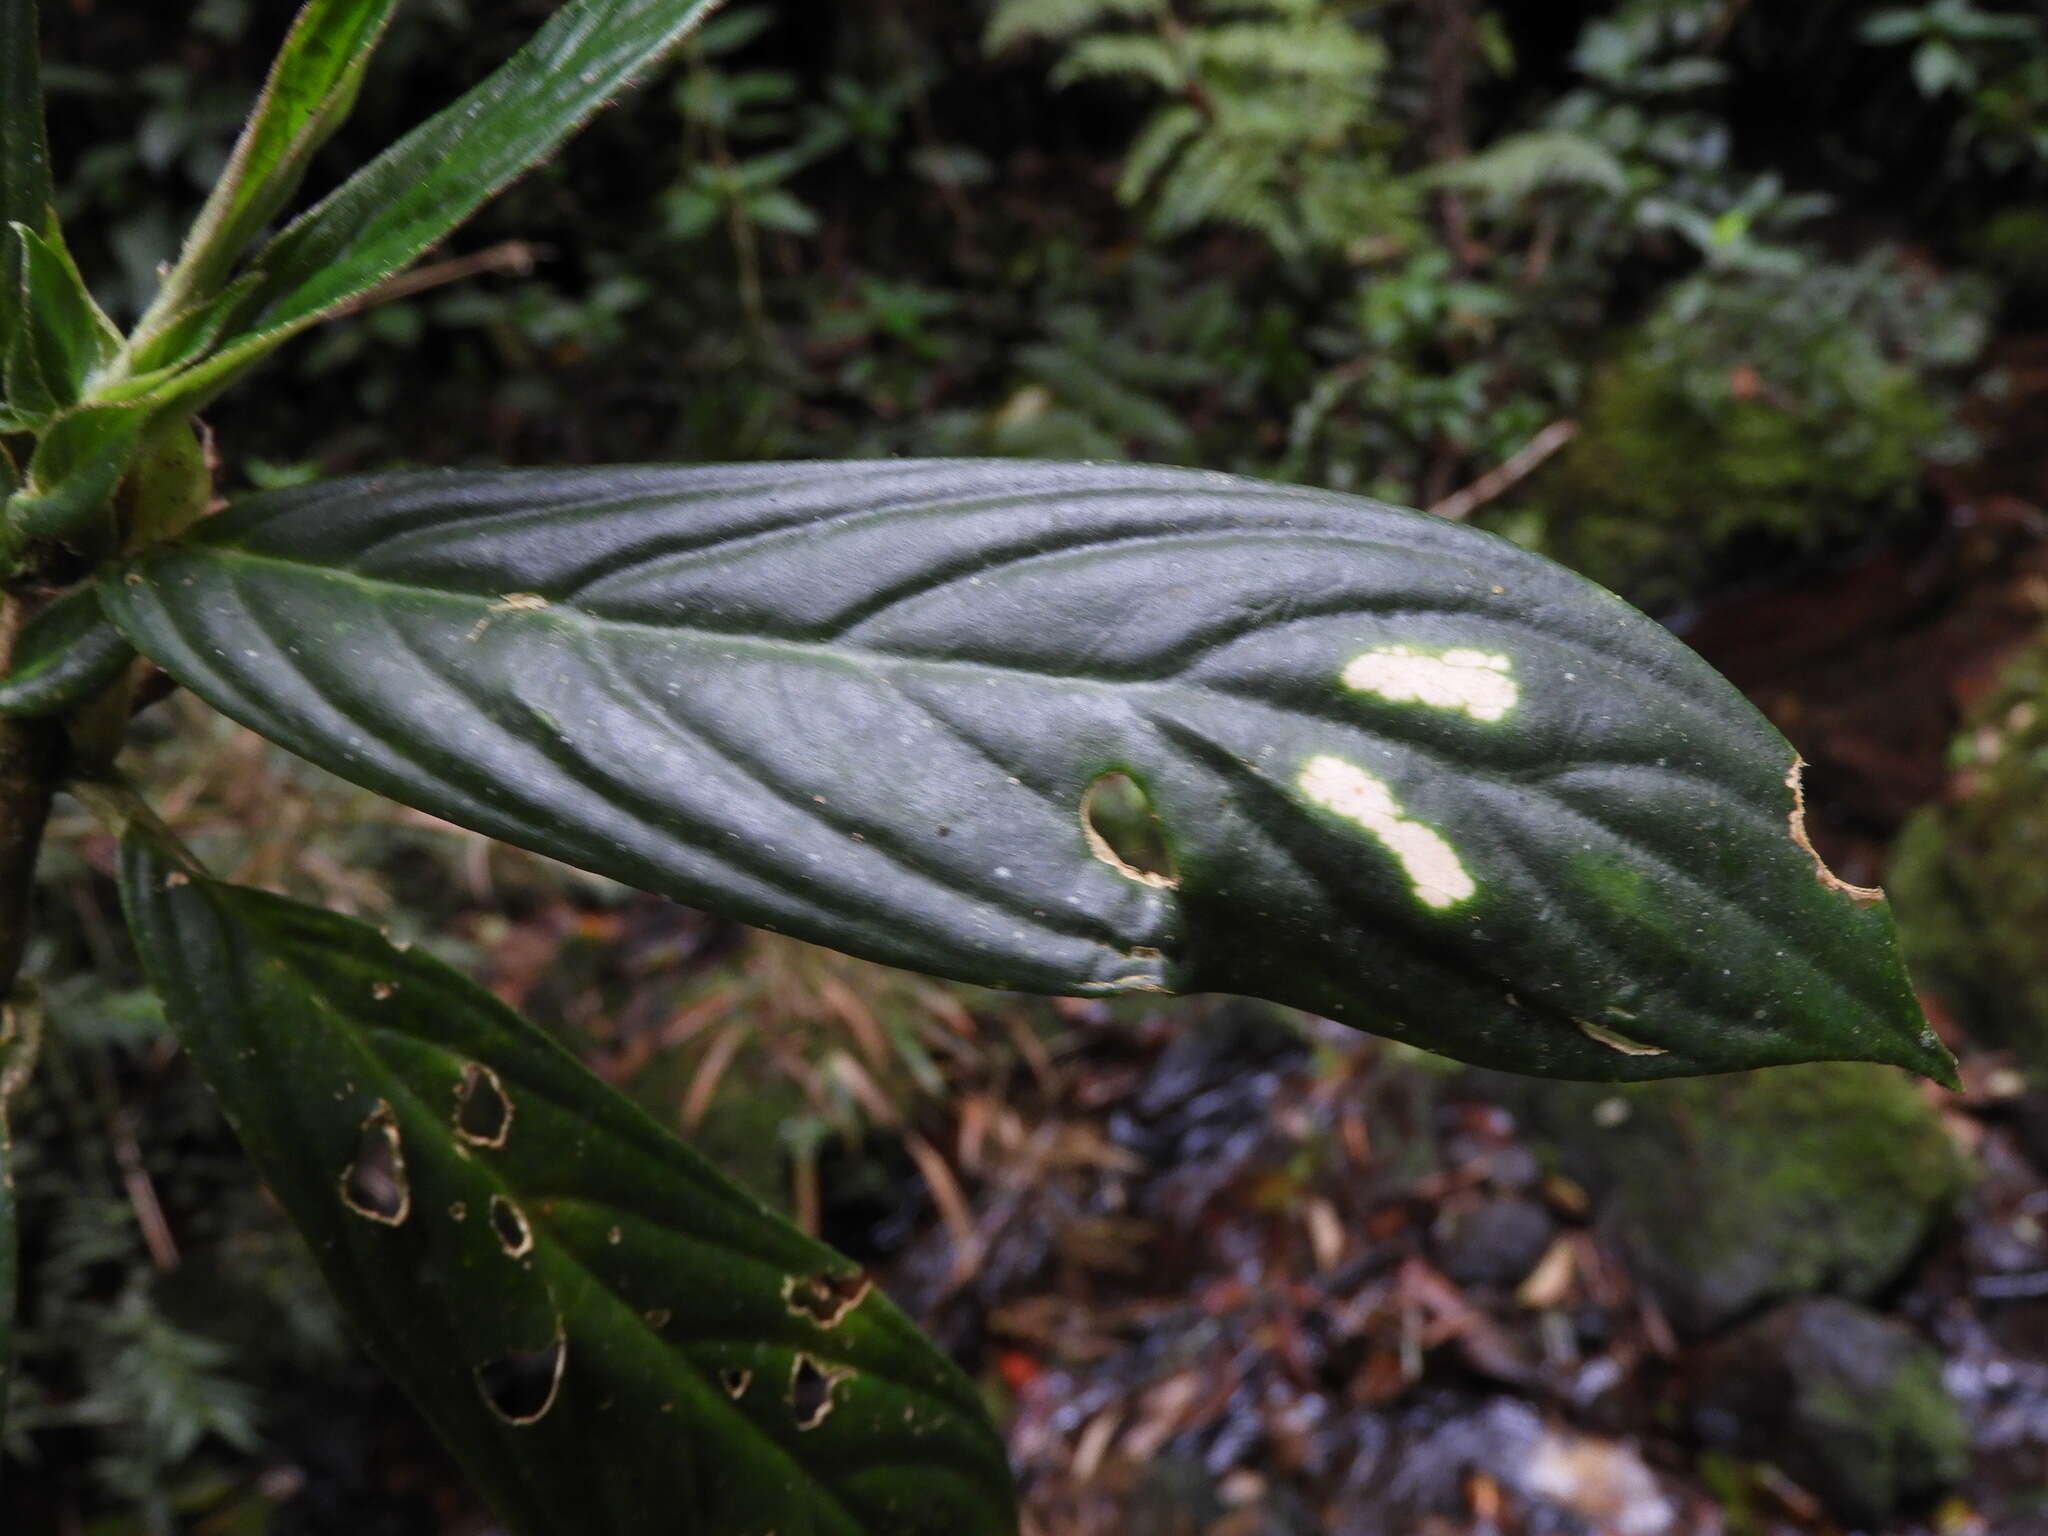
[
  {"x": 1730, "y": 1192},
  {"x": 1906, "y": 1439},
  {"x": 1969, "y": 882},
  {"x": 1846, "y": 1402},
  {"x": 1786, "y": 414}
]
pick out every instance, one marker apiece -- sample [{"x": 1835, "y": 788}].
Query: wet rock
[
  {"x": 1969, "y": 879},
  {"x": 1729, "y": 1193},
  {"x": 1494, "y": 1243},
  {"x": 1565, "y": 1480},
  {"x": 1846, "y": 1403}
]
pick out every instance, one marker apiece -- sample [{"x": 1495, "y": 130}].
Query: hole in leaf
[
  {"x": 375, "y": 1185},
  {"x": 735, "y": 1381},
  {"x": 1125, "y": 832},
  {"x": 521, "y": 1385},
  {"x": 515, "y": 1236},
  {"x": 825, "y": 1298},
  {"x": 1861, "y": 895},
  {"x": 483, "y": 1114},
  {"x": 810, "y": 1391}
]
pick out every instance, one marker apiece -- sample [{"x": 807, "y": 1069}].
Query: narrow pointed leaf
[
  {"x": 26, "y": 195},
  {"x": 613, "y": 1338},
  {"x": 1410, "y": 776},
  {"x": 408, "y": 198},
  {"x": 64, "y": 656},
  {"x": 311, "y": 89},
  {"x": 61, "y": 336},
  {"x": 25, "y": 190}
]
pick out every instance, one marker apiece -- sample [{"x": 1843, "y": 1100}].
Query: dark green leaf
[
  {"x": 409, "y": 197},
  {"x": 1411, "y": 777},
  {"x": 613, "y": 1338},
  {"x": 26, "y": 196},
  {"x": 64, "y": 656},
  {"x": 312, "y": 88}
]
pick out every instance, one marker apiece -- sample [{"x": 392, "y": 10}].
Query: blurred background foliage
[{"x": 1705, "y": 297}]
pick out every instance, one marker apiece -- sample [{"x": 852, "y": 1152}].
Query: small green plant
[
  {"x": 1074, "y": 728},
  {"x": 1271, "y": 118},
  {"x": 1992, "y": 60}
]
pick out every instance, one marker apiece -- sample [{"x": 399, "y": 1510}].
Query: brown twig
[
  {"x": 1497, "y": 482},
  {"x": 1450, "y": 51},
  {"x": 508, "y": 258}
]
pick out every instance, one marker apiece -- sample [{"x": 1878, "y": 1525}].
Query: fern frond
[
  {"x": 1510, "y": 171},
  {"x": 1164, "y": 135},
  {"x": 1015, "y": 21},
  {"x": 1123, "y": 56},
  {"x": 1213, "y": 174},
  {"x": 1077, "y": 381},
  {"x": 1324, "y": 50}
]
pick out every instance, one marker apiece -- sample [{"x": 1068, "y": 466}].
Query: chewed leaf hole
[
  {"x": 1125, "y": 832},
  {"x": 515, "y": 1234},
  {"x": 483, "y": 1114},
  {"x": 734, "y": 1381},
  {"x": 374, "y": 1185},
  {"x": 810, "y": 1391},
  {"x": 1861, "y": 895},
  {"x": 520, "y": 1386},
  {"x": 825, "y": 1298}
]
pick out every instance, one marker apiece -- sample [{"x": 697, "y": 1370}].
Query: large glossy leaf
[
  {"x": 311, "y": 89},
  {"x": 409, "y": 197},
  {"x": 1411, "y": 777},
  {"x": 615, "y": 1340}
]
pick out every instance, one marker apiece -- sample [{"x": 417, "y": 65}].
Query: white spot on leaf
[
  {"x": 1431, "y": 864},
  {"x": 1478, "y": 683}
]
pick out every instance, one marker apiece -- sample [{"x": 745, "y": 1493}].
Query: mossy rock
[
  {"x": 1848, "y": 1404},
  {"x": 1754, "y": 420},
  {"x": 1730, "y": 1193},
  {"x": 1969, "y": 880}
]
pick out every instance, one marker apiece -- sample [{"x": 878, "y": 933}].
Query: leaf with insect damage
[
  {"x": 614, "y": 1339},
  {"x": 1405, "y": 774}
]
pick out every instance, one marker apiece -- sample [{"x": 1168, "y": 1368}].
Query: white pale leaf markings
[
  {"x": 1431, "y": 864},
  {"x": 1476, "y": 683}
]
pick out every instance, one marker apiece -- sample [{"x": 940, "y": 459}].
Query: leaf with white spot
[
  {"x": 613, "y": 1338},
  {"x": 1407, "y": 775}
]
